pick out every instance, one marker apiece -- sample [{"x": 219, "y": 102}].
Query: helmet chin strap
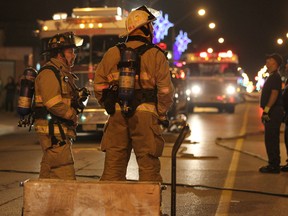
[
  {"x": 138, "y": 38},
  {"x": 64, "y": 58},
  {"x": 145, "y": 29}
]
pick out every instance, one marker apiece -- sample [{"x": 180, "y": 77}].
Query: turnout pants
[
  {"x": 143, "y": 134},
  {"x": 57, "y": 161}
]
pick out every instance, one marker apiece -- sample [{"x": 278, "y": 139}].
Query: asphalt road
[{"x": 217, "y": 166}]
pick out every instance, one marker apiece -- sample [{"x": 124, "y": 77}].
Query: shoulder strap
[
  {"x": 143, "y": 48},
  {"x": 54, "y": 119},
  {"x": 140, "y": 51},
  {"x": 55, "y": 70},
  {"x": 161, "y": 50},
  {"x": 121, "y": 46}
]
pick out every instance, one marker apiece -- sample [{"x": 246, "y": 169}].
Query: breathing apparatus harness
[
  {"x": 124, "y": 92},
  {"x": 79, "y": 96}
]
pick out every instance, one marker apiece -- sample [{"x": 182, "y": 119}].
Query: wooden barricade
[{"x": 53, "y": 197}]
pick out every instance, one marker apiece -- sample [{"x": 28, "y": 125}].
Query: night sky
[{"x": 249, "y": 27}]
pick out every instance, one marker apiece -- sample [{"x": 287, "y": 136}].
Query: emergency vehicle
[
  {"x": 100, "y": 28},
  {"x": 212, "y": 80}
]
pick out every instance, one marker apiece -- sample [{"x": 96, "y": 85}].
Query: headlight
[
  {"x": 195, "y": 89},
  {"x": 83, "y": 117},
  {"x": 188, "y": 92},
  {"x": 230, "y": 89}
]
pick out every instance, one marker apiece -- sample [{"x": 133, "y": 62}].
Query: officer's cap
[{"x": 277, "y": 57}]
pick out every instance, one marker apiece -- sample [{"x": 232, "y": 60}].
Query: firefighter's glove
[
  {"x": 84, "y": 93},
  {"x": 164, "y": 122},
  {"x": 110, "y": 99},
  {"x": 75, "y": 105},
  {"x": 78, "y": 102},
  {"x": 74, "y": 121},
  {"x": 265, "y": 115}
]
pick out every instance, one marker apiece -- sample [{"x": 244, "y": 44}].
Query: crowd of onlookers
[{"x": 9, "y": 91}]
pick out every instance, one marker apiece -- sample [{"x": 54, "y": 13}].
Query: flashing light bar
[
  {"x": 59, "y": 16},
  {"x": 228, "y": 56},
  {"x": 106, "y": 12},
  {"x": 203, "y": 54}
]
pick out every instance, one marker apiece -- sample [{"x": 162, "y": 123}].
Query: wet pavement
[{"x": 217, "y": 166}]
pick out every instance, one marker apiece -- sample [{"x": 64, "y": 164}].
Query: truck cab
[
  {"x": 100, "y": 28},
  {"x": 212, "y": 80}
]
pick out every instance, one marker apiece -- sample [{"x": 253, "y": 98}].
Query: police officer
[
  {"x": 271, "y": 103},
  {"x": 55, "y": 118},
  {"x": 141, "y": 131}
]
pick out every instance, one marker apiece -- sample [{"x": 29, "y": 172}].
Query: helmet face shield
[
  {"x": 78, "y": 41},
  {"x": 73, "y": 39},
  {"x": 153, "y": 14}
]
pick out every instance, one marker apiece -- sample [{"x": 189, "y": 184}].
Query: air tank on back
[
  {"x": 127, "y": 68},
  {"x": 26, "y": 94}
]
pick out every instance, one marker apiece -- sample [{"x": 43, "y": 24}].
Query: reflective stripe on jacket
[{"x": 54, "y": 96}]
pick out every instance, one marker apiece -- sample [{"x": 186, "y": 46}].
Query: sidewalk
[{"x": 8, "y": 122}]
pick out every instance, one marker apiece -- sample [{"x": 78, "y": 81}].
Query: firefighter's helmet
[
  {"x": 63, "y": 41},
  {"x": 138, "y": 18}
]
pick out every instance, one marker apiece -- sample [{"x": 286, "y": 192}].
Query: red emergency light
[
  {"x": 182, "y": 75},
  {"x": 163, "y": 46}
]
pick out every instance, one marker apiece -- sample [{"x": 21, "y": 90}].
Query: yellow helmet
[{"x": 138, "y": 18}]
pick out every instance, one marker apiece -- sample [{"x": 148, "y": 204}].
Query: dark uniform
[
  {"x": 285, "y": 104},
  {"x": 272, "y": 127}
]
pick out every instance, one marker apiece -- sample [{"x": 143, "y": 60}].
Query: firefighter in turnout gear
[
  {"x": 55, "y": 116},
  {"x": 137, "y": 125}
]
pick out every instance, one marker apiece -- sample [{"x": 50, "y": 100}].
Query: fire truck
[
  {"x": 100, "y": 28},
  {"x": 212, "y": 80}
]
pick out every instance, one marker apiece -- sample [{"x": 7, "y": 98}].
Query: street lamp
[
  {"x": 201, "y": 12},
  {"x": 212, "y": 25},
  {"x": 210, "y": 50},
  {"x": 281, "y": 45},
  {"x": 221, "y": 40},
  {"x": 280, "y": 41}
]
